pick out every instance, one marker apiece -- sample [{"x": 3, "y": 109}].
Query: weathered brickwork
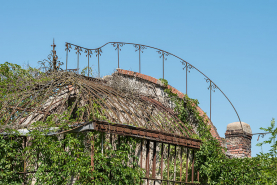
[
  {"x": 237, "y": 140},
  {"x": 238, "y": 143},
  {"x": 174, "y": 90}
]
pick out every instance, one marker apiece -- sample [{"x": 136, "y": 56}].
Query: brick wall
[{"x": 238, "y": 143}]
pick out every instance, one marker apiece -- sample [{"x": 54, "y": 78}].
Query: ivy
[
  {"x": 62, "y": 158},
  {"x": 211, "y": 162},
  {"x": 58, "y": 159}
]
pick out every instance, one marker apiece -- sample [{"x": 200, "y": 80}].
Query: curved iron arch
[{"x": 212, "y": 84}]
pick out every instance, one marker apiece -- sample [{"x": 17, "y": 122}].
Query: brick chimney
[{"x": 238, "y": 140}]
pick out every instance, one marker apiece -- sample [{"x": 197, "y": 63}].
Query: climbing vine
[
  {"x": 65, "y": 158},
  {"x": 211, "y": 161},
  {"x": 54, "y": 156}
]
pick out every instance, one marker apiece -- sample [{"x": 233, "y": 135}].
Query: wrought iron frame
[
  {"x": 147, "y": 136},
  {"x": 163, "y": 54}
]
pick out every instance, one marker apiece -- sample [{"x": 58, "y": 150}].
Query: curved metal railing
[{"x": 140, "y": 48}]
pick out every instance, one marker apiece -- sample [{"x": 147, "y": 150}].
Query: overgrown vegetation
[
  {"x": 62, "y": 158},
  {"x": 212, "y": 163}
]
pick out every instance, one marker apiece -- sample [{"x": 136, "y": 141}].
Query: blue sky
[{"x": 232, "y": 42}]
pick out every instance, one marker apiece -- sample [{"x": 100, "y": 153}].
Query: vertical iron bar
[
  {"x": 147, "y": 161},
  {"x": 118, "y": 54},
  {"x": 111, "y": 142},
  {"x": 88, "y": 62},
  {"x": 102, "y": 142},
  {"x": 168, "y": 155},
  {"x": 163, "y": 65},
  {"x": 118, "y": 142},
  {"x": 187, "y": 165},
  {"x": 139, "y": 60},
  {"x": 192, "y": 167},
  {"x": 210, "y": 100},
  {"x": 64, "y": 136},
  {"x": 77, "y": 60},
  {"x": 181, "y": 163},
  {"x": 11, "y": 158},
  {"x": 154, "y": 161},
  {"x": 37, "y": 157},
  {"x": 175, "y": 153},
  {"x": 186, "y": 78},
  {"x": 25, "y": 163},
  {"x": 162, "y": 158},
  {"x": 98, "y": 64},
  {"x": 141, "y": 148},
  {"x": 66, "y": 57},
  {"x": 198, "y": 176},
  {"x": 92, "y": 153}
]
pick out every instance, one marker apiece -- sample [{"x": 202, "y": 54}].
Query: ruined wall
[
  {"x": 155, "y": 87},
  {"x": 238, "y": 140}
]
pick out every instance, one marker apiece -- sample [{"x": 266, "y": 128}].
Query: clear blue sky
[{"x": 232, "y": 42}]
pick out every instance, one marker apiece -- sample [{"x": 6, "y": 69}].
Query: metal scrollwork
[
  {"x": 89, "y": 53},
  {"x": 67, "y": 46},
  {"x": 139, "y": 47},
  {"x": 78, "y": 50},
  {"x": 212, "y": 86},
  {"x": 187, "y": 66},
  {"x": 117, "y": 45},
  {"x": 98, "y": 52},
  {"x": 163, "y": 54}
]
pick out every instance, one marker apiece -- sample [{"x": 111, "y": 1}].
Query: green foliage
[
  {"x": 10, "y": 159},
  {"x": 118, "y": 166},
  {"x": 86, "y": 70},
  {"x": 57, "y": 159},
  {"x": 212, "y": 163},
  {"x": 169, "y": 172},
  {"x": 13, "y": 78},
  {"x": 164, "y": 82}
]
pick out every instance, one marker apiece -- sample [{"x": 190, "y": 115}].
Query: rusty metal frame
[
  {"x": 116, "y": 107},
  {"x": 139, "y": 47},
  {"x": 151, "y": 135}
]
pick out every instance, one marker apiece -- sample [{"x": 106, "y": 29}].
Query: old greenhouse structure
[{"x": 126, "y": 109}]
